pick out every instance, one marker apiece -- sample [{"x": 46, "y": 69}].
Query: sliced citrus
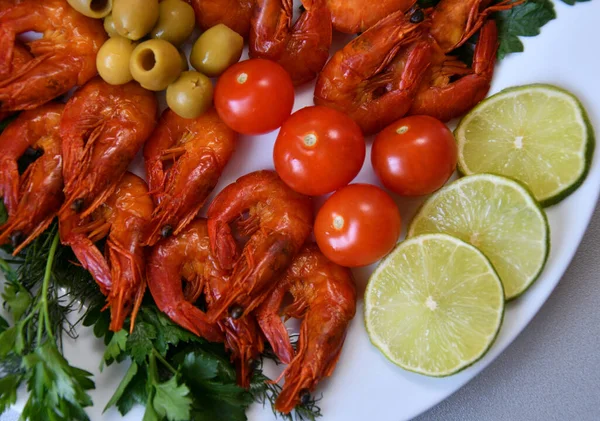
[
  {"x": 434, "y": 305},
  {"x": 537, "y": 134},
  {"x": 499, "y": 217}
]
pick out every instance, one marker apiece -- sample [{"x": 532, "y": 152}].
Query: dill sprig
[{"x": 264, "y": 391}]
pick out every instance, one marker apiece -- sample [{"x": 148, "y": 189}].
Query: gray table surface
[{"x": 552, "y": 370}]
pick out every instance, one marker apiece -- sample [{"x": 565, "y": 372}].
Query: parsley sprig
[
  {"x": 179, "y": 376},
  {"x": 31, "y": 349}
]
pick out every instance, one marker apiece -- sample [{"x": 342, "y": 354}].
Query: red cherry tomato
[
  {"x": 319, "y": 150},
  {"x": 415, "y": 155},
  {"x": 358, "y": 225},
  {"x": 254, "y": 96}
]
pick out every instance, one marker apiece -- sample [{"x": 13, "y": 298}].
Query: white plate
[{"x": 365, "y": 385}]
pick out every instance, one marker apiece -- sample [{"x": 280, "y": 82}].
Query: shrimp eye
[
  {"x": 304, "y": 396},
  {"x": 77, "y": 205},
  {"x": 33, "y": 153},
  {"x": 417, "y": 17},
  {"x": 235, "y": 312},
  {"x": 166, "y": 231},
  {"x": 16, "y": 238}
]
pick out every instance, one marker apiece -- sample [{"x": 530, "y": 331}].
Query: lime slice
[
  {"x": 537, "y": 134},
  {"x": 434, "y": 305},
  {"x": 499, "y": 217}
]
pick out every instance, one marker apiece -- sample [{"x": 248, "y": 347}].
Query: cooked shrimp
[
  {"x": 235, "y": 14},
  {"x": 121, "y": 274},
  {"x": 184, "y": 160},
  {"x": 278, "y": 222},
  {"x": 20, "y": 57},
  {"x": 354, "y": 16},
  {"x": 302, "y": 49},
  {"x": 374, "y": 78},
  {"x": 64, "y": 57},
  {"x": 324, "y": 296},
  {"x": 187, "y": 256},
  {"x": 450, "y": 88},
  {"x": 453, "y": 22},
  {"x": 103, "y": 127},
  {"x": 32, "y": 199}
]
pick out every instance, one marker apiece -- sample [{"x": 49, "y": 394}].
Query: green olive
[
  {"x": 175, "y": 21},
  {"x": 155, "y": 64},
  {"x": 134, "y": 18},
  {"x": 184, "y": 62},
  {"x": 216, "y": 49},
  {"x": 113, "y": 58},
  {"x": 96, "y": 9},
  {"x": 191, "y": 95},
  {"x": 109, "y": 26}
]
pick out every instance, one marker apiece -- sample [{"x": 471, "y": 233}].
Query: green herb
[
  {"x": 524, "y": 20},
  {"x": 30, "y": 349},
  {"x": 264, "y": 392},
  {"x": 177, "y": 375}
]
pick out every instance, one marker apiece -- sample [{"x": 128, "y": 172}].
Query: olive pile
[{"x": 156, "y": 63}]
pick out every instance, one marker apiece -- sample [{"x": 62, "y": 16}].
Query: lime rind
[
  {"x": 512, "y": 239},
  {"x": 584, "y": 155},
  {"x": 484, "y": 340}
]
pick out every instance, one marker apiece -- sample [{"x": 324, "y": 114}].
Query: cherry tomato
[
  {"x": 319, "y": 150},
  {"x": 358, "y": 225},
  {"x": 254, "y": 96},
  {"x": 415, "y": 155}
]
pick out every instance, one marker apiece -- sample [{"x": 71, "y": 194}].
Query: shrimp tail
[
  {"x": 120, "y": 298},
  {"x": 272, "y": 326},
  {"x": 303, "y": 374},
  {"x": 91, "y": 259}
]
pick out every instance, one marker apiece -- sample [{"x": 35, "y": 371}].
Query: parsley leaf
[
  {"x": 139, "y": 343},
  {"x": 523, "y": 20},
  {"x": 116, "y": 397},
  {"x": 8, "y": 391},
  {"x": 172, "y": 401},
  {"x": 7, "y": 341},
  {"x": 135, "y": 392},
  {"x": 3, "y": 325},
  {"x": 115, "y": 348},
  {"x": 56, "y": 389},
  {"x": 17, "y": 298}
]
